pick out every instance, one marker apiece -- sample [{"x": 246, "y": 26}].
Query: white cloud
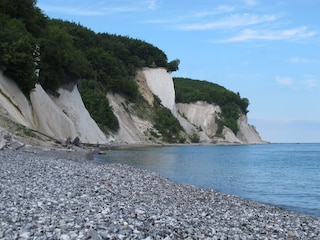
[
  {"x": 285, "y": 81},
  {"x": 311, "y": 83},
  {"x": 303, "y": 60},
  {"x": 236, "y": 20},
  {"x": 288, "y": 34},
  {"x": 101, "y": 8},
  {"x": 152, "y": 4},
  {"x": 299, "y": 60},
  {"x": 308, "y": 83},
  {"x": 73, "y": 11},
  {"x": 174, "y": 21},
  {"x": 219, "y": 10},
  {"x": 89, "y": 12}
]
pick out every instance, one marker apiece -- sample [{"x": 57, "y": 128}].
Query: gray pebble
[{"x": 59, "y": 195}]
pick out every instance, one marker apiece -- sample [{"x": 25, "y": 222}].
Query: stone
[
  {"x": 3, "y": 143},
  {"x": 24, "y": 236},
  {"x": 58, "y": 195},
  {"x": 64, "y": 237},
  {"x": 139, "y": 212},
  {"x": 76, "y": 141},
  {"x": 93, "y": 235}
]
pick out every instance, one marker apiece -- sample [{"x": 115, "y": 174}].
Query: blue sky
[{"x": 269, "y": 51}]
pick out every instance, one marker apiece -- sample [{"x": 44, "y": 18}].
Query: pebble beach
[{"x": 66, "y": 195}]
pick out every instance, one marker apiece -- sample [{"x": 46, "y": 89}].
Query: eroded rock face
[
  {"x": 247, "y": 134},
  {"x": 48, "y": 117},
  {"x": 200, "y": 114},
  {"x": 160, "y": 83},
  {"x": 70, "y": 103},
  {"x": 14, "y": 103},
  {"x": 60, "y": 117},
  {"x": 66, "y": 116},
  {"x": 132, "y": 128},
  {"x": 199, "y": 117},
  {"x": 144, "y": 88}
]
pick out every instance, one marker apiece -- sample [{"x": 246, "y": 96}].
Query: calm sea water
[{"x": 286, "y": 175}]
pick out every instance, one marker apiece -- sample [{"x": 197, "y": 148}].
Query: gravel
[{"x": 60, "y": 195}]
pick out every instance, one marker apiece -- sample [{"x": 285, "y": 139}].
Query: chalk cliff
[
  {"x": 60, "y": 117},
  {"x": 203, "y": 116},
  {"x": 13, "y": 103},
  {"x": 199, "y": 117},
  {"x": 132, "y": 128},
  {"x": 247, "y": 133},
  {"x": 160, "y": 83},
  {"x": 66, "y": 116},
  {"x": 200, "y": 114}
]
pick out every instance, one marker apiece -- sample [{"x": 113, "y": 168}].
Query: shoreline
[
  {"x": 54, "y": 194},
  {"x": 299, "y": 209},
  {"x": 137, "y": 145}
]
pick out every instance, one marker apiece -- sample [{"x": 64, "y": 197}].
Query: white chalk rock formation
[
  {"x": 70, "y": 103},
  {"x": 229, "y": 137},
  {"x": 66, "y": 116},
  {"x": 201, "y": 114},
  {"x": 143, "y": 87},
  {"x": 161, "y": 84},
  {"x": 60, "y": 117},
  {"x": 199, "y": 117},
  {"x": 247, "y": 134},
  {"x": 14, "y": 103},
  {"x": 131, "y": 128},
  {"x": 48, "y": 117}
]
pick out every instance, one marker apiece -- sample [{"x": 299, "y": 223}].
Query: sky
[{"x": 268, "y": 51}]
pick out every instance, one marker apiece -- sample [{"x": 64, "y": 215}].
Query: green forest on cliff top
[{"x": 65, "y": 52}]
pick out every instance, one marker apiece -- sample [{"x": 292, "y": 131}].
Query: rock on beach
[{"x": 59, "y": 195}]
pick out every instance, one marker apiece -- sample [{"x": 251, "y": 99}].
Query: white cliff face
[
  {"x": 247, "y": 134},
  {"x": 161, "y": 84},
  {"x": 151, "y": 81},
  {"x": 143, "y": 87},
  {"x": 66, "y": 116},
  {"x": 48, "y": 117},
  {"x": 131, "y": 128},
  {"x": 229, "y": 137},
  {"x": 60, "y": 118},
  {"x": 14, "y": 102},
  {"x": 198, "y": 117},
  {"x": 71, "y": 104},
  {"x": 201, "y": 114}
]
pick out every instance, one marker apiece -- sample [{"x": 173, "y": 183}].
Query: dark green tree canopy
[
  {"x": 68, "y": 51},
  {"x": 26, "y": 12},
  {"x": 173, "y": 65},
  {"x": 65, "y": 52},
  {"x": 190, "y": 90}
]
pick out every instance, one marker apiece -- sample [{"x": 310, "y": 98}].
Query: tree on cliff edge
[
  {"x": 21, "y": 24},
  {"x": 173, "y": 65}
]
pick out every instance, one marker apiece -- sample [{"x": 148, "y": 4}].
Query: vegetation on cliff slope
[
  {"x": 189, "y": 90},
  {"x": 37, "y": 49},
  {"x": 22, "y": 25},
  {"x": 63, "y": 52},
  {"x": 167, "y": 124}
]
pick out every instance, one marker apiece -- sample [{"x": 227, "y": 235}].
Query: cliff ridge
[{"x": 65, "y": 116}]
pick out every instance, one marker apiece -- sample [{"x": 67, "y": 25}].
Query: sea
[{"x": 284, "y": 175}]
